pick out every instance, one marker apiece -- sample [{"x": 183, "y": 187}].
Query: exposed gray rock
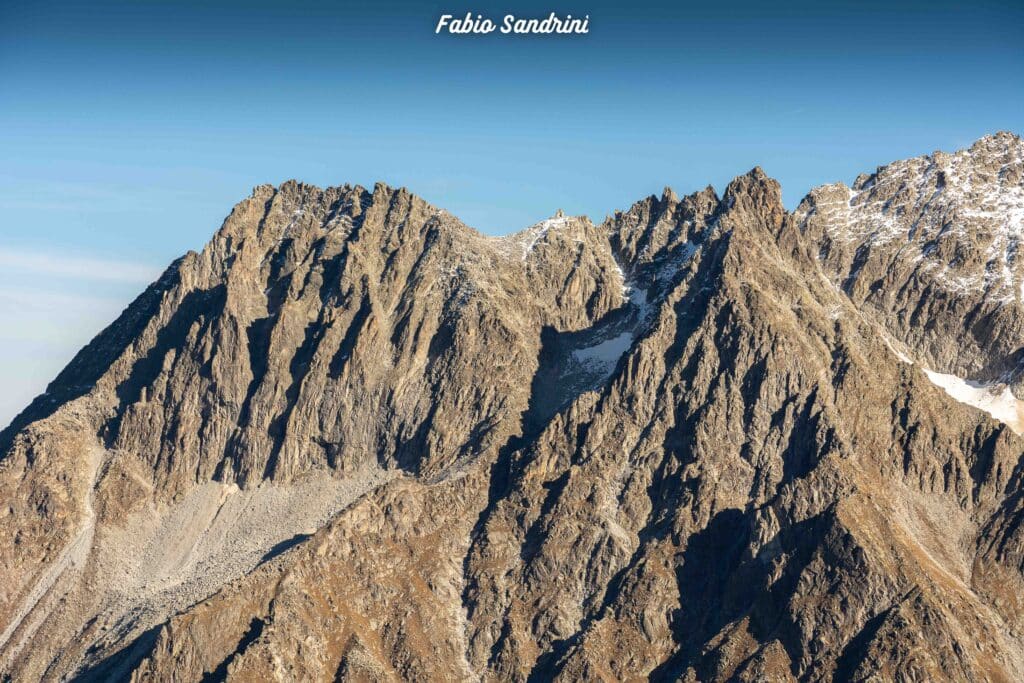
[{"x": 355, "y": 439}]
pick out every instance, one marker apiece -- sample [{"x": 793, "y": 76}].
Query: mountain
[
  {"x": 708, "y": 439},
  {"x": 929, "y": 247}
]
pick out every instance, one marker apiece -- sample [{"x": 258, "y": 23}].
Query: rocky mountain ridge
[
  {"x": 940, "y": 231},
  {"x": 708, "y": 439}
]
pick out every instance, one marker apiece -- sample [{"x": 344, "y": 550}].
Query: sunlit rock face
[
  {"x": 930, "y": 245},
  {"x": 708, "y": 439}
]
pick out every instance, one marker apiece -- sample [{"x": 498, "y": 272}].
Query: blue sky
[{"x": 129, "y": 129}]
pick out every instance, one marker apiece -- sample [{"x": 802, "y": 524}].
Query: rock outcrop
[{"x": 707, "y": 439}]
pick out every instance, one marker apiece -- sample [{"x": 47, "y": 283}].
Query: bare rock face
[
  {"x": 930, "y": 245},
  {"x": 706, "y": 440}
]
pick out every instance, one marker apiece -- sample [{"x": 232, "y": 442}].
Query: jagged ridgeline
[{"x": 707, "y": 439}]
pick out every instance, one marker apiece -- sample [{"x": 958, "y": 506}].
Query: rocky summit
[{"x": 708, "y": 439}]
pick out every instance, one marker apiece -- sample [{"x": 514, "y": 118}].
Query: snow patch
[
  {"x": 605, "y": 354},
  {"x": 537, "y": 232},
  {"x": 626, "y": 286},
  {"x": 995, "y": 399},
  {"x": 638, "y": 297},
  {"x": 904, "y": 358}
]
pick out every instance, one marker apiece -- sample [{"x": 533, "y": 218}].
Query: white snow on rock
[
  {"x": 536, "y": 233},
  {"x": 626, "y": 286},
  {"x": 995, "y": 399},
  {"x": 606, "y": 353},
  {"x": 963, "y": 197},
  {"x": 903, "y": 358}
]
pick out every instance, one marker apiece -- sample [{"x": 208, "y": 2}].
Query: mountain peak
[
  {"x": 758, "y": 194},
  {"x": 712, "y": 403},
  {"x": 999, "y": 140},
  {"x": 949, "y": 223}
]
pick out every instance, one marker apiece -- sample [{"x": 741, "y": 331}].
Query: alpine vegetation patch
[{"x": 511, "y": 24}]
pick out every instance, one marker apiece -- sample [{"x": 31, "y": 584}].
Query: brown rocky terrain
[{"x": 708, "y": 439}]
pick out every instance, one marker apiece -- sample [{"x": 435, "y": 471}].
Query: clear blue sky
[{"x": 129, "y": 129}]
